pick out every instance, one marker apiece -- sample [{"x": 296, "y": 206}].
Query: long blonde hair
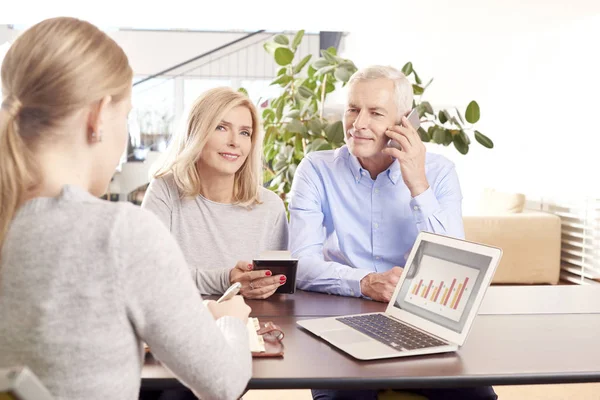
[
  {"x": 184, "y": 152},
  {"x": 53, "y": 69}
]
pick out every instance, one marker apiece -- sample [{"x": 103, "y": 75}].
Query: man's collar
[{"x": 393, "y": 171}]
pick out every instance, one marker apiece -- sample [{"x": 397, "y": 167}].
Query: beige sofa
[{"x": 530, "y": 240}]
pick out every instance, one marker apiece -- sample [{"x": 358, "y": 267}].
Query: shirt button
[
  {"x": 352, "y": 292},
  {"x": 416, "y": 208},
  {"x": 377, "y": 258},
  {"x": 376, "y": 225},
  {"x": 376, "y": 190}
]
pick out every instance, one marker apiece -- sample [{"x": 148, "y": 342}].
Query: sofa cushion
[{"x": 494, "y": 202}]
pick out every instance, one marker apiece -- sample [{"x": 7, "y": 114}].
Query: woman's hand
[{"x": 255, "y": 284}]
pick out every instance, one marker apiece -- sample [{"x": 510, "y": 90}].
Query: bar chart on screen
[{"x": 442, "y": 287}]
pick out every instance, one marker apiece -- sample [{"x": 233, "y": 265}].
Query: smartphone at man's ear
[{"x": 413, "y": 118}]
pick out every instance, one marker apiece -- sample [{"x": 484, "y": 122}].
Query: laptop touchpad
[{"x": 345, "y": 336}]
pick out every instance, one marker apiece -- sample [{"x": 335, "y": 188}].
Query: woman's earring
[{"x": 97, "y": 136}]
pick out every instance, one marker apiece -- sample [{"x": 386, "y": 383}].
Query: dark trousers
[
  {"x": 476, "y": 393},
  {"x": 172, "y": 394}
]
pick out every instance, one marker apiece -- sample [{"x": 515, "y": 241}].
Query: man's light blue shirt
[{"x": 345, "y": 225}]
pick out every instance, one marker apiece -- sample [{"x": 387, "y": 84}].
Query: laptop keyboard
[{"x": 391, "y": 332}]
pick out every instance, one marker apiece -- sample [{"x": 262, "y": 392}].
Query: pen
[{"x": 230, "y": 292}]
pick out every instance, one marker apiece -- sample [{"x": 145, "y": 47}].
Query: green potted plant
[{"x": 295, "y": 125}]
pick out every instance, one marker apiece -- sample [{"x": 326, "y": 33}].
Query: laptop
[
  {"x": 431, "y": 310},
  {"x": 20, "y": 383}
]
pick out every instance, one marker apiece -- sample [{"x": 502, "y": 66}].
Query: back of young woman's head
[
  {"x": 205, "y": 115},
  {"x": 53, "y": 70}
]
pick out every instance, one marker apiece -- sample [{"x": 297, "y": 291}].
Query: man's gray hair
[{"x": 402, "y": 86}]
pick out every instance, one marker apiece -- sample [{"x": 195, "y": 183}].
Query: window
[{"x": 151, "y": 122}]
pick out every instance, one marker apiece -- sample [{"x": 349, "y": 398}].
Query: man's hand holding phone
[{"x": 410, "y": 154}]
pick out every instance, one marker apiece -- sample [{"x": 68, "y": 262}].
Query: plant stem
[{"x": 323, "y": 96}]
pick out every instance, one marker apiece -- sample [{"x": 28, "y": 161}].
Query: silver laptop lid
[
  {"x": 20, "y": 383},
  {"x": 443, "y": 284}
]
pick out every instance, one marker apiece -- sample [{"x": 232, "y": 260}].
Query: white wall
[
  {"x": 534, "y": 69},
  {"x": 152, "y": 51}
]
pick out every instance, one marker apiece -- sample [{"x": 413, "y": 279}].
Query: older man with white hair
[{"x": 355, "y": 212}]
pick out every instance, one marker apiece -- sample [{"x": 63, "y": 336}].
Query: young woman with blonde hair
[
  {"x": 84, "y": 282},
  {"x": 209, "y": 194}
]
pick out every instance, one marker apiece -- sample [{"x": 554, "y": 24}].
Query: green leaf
[
  {"x": 293, "y": 114},
  {"x": 335, "y": 132},
  {"x": 282, "y": 80},
  {"x": 472, "y": 113},
  {"x": 311, "y": 71},
  {"x": 287, "y": 135},
  {"x": 242, "y": 90},
  {"x": 297, "y": 39},
  {"x": 417, "y": 79},
  {"x": 407, "y": 69},
  {"x": 465, "y": 138},
  {"x": 279, "y": 111},
  {"x": 324, "y": 70},
  {"x": 450, "y": 133},
  {"x": 281, "y": 71},
  {"x": 271, "y": 46},
  {"x": 315, "y": 126},
  {"x": 269, "y": 135},
  {"x": 417, "y": 90},
  {"x": 301, "y": 64},
  {"x": 267, "y": 175},
  {"x": 447, "y": 115},
  {"x": 460, "y": 145},
  {"x": 329, "y": 87},
  {"x": 424, "y": 134},
  {"x": 342, "y": 74},
  {"x": 439, "y": 135},
  {"x": 305, "y": 108},
  {"x": 298, "y": 148},
  {"x": 280, "y": 165},
  {"x": 484, "y": 140},
  {"x": 427, "y": 107},
  {"x": 305, "y": 92},
  {"x": 318, "y": 144},
  {"x": 298, "y": 97},
  {"x": 283, "y": 56},
  {"x": 329, "y": 57},
  {"x": 455, "y": 122},
  {"x": 281, "y": 39},
  {"x": 268, "y": 113},
  {"x": 289, "y": 173},
  {"x": 332, "y": 50},
  {"x": 310, "y": 84},
  {"x": 295, "y": 126},
  {"x": 320, "y": 63},
  {"x": 442, "y": 117}
]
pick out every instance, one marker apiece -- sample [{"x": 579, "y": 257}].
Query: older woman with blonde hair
[{"x": 209, "y": 194}]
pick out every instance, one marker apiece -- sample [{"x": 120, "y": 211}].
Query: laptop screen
[{"x": 442, "y": 284}]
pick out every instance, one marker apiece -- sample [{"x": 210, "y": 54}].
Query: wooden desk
[{"x": 527, "y": 348}]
